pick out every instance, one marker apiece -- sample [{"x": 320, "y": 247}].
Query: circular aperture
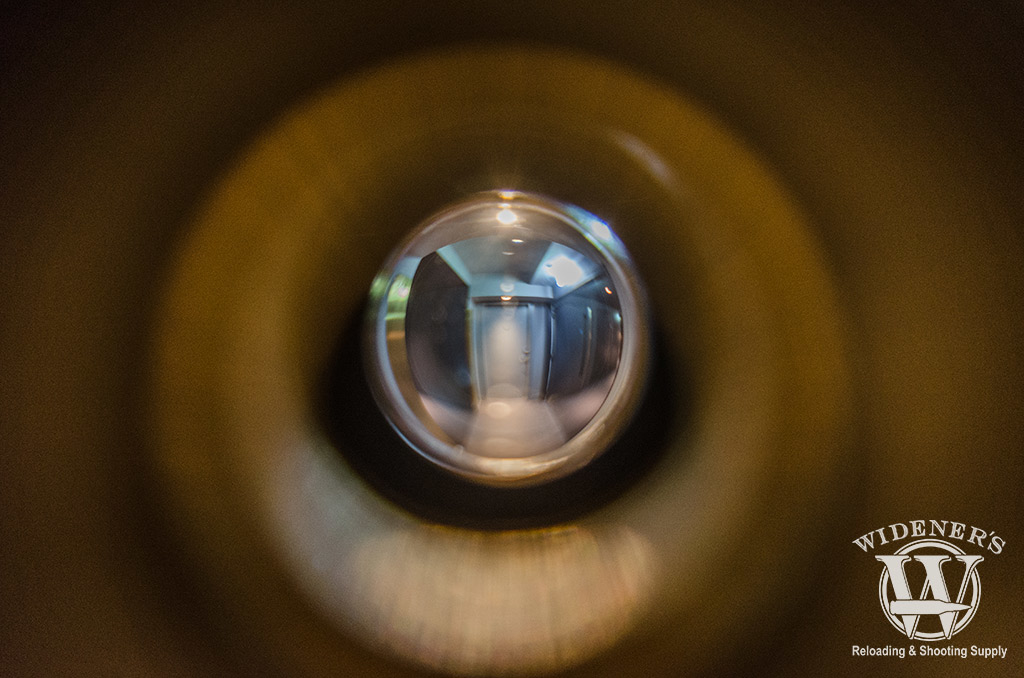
[
  {"x": 507, "y": 338},
  {"x": 737, "y": 286}
]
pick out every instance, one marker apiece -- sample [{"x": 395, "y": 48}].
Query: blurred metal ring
[{"x": 279, "y": 259}]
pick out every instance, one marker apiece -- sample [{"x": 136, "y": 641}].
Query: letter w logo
[{"x": 934, "y": 598}]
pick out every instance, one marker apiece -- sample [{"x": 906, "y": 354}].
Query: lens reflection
[{"x": 508, "y": 329}]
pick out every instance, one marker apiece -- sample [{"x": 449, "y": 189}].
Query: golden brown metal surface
[{"x": 826, "y": 208}]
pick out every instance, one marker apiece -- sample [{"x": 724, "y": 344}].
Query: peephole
[{"x": 507, "y": 338}]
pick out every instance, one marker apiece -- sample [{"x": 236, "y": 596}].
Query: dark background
[{"x": 899, "y": 129}]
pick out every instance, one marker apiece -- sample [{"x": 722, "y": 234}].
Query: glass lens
[{"x": 508, "y": 338}]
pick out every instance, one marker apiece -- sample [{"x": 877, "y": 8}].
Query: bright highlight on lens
[
  {"x": 564, "y": 270},
  {"x": 507, "y": 216},
  {"x": 509, "y": 344}
]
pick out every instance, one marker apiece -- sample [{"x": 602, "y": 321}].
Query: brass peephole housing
[{"x": 507, "y": 338}]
